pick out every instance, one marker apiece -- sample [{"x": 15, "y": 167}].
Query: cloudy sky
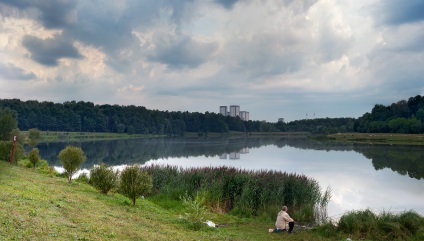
[{"x": 274, "y": 58}]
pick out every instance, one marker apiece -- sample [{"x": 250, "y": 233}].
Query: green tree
[
  {"x": 34, "y": 156},
  {"x": 398, "y": 125},
  {"x": 420, "y": 115},
  {"x": 135, "y": 182},
  {"x": 103, "y": 178},
  {"x": 6, "y": 150},
  {"x": 8, "y": 122},
  {"x": 71, "y": 157},
  {"x": 34, "y": 136}
]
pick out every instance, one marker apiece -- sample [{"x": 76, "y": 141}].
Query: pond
[{"x": 379, "y": 177}]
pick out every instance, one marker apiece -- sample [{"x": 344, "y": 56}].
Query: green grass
[
  {"x": 38, "y": 206},
  {"x": 379, "y": 138},
  {"x": 35, "y": 206},
  {"x": 55, "y": 136}
]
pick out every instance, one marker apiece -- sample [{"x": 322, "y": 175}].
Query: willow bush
[
  {"x": 239, "y": 191},
  {"x": 103, "y": 178}
]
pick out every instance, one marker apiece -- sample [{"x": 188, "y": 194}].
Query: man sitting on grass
[{"x": 284, "y": 222}]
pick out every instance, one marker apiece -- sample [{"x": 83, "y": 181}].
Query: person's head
[{"x": 284, "y": 208}]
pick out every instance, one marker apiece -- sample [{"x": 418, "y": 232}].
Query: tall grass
[
  {"x": 238, "y": 191},
  {"x": 385, "y": 226}
]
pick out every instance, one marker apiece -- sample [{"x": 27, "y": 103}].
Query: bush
[
  {"x": 103, "y": 178},
  {"x": 83, "y": 178},
  {"x": 34, "y": 156},
  {"x": 134, "y": 183},
  {"x": 42, "y": 166},
  {"x": 25, "y": 163},
  {"x": 195, "y": 209},
  {"x": 71, "y": 157}
]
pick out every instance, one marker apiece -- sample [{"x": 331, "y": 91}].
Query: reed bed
[
  {"x": 241, "y": 192},
  {"x": 387, "y": 226}
]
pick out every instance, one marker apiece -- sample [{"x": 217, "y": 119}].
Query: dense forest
[
  {"x": 88, "y": 117},
  {"x": 400, "y": 117}
]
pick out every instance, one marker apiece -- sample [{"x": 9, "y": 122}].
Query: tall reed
[
  {"x": 385, "y": 226},
  {"x": 239, "y": 191}
]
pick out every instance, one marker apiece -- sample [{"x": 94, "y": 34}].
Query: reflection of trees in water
[
  {"x": 406, "y": 160},
  {"x": 117, "y": 152}
]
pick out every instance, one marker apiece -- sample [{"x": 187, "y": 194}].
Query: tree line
[
  {"x": 87, "y": 117},
  {"x": 404, "y": 116}
]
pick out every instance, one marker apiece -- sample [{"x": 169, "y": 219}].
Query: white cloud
[{"x": 294, "y": 54}]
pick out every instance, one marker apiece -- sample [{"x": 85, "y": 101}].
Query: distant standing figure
[{"x": 283, "y": 222}]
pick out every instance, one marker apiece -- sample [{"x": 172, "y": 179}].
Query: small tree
[
  {"x": 71, "y": 157},
  {"x": 103, "y": 178},
  {"x": 34, "y": 156},
  {"x": 195, "y": 207},
  {"x": 134, "y": 183}
]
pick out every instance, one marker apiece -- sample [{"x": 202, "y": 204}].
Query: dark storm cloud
[
  {"x": 109, "y": 26},
  {"x": 52, "y": 13},
  {"x": 181, "y": 51},
  {"x": 397, "y": 12},
  {"x": 49, "y": 51},
  {"x": 11, "y": 72}
]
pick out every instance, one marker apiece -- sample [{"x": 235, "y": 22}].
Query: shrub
[
  {"x": 42, "y": 166},
  {"x": 71, "y": 157},
  {"x": 83, "y": 178},
  {"x": 34, "y": 156},
  {"x": 103, "y": 178},
  {"x": 25, "y": 163},
  {"x": 195, "y": 209},
  {"x": 134, "y": 183}
]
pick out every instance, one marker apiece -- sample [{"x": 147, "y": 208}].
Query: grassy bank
[
  {"x": 379, "y": 138},
  {"x": 55, "y": 136},
  {"x": 35, "y": 206}
]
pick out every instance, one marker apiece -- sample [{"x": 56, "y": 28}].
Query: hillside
[{"x": 35, "y": 206}]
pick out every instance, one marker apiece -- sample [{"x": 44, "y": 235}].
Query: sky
[{"x": 291, "y": 59}]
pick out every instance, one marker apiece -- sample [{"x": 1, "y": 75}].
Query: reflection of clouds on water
[
  {"x": 354, "y": 182},
  {"x": 87, "y": 171}
]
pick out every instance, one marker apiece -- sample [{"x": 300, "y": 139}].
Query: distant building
[
  {"x": 244, "y": 115},
  {"x": 280, "y": 119},
  {"x": 223, "y": 110},
  {"x": 234, "y": 110}
]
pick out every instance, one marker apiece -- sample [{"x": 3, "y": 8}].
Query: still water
[{"x": 379, "y": 177}]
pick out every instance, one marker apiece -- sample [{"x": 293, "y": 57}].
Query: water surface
[{"x": 379, "y": 177}]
